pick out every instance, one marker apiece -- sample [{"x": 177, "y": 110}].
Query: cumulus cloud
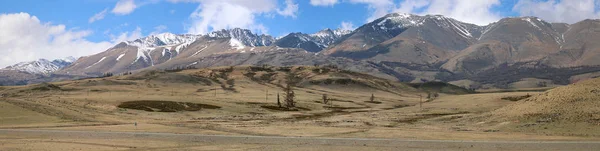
[
  {"x": 347, "y": 26},
  {"x": 379, "y": 8},
  {"x": 124, "y": 7},
  {"x": 568, "y": 11},
  {"x": 291, "y": 9},
  {"x": 410, "y": 6},
  {"x": 213, "y": 15},
  {"x": 159, "y": 29},
  {"x": 127, "y": 36},
  {"x": 98, "y": 16},
  {"x": 476, "y": 12},
  {"x": 26, "y": 38},
  {"x": 473, "y": 11},
  {"x": 323, "y": 2}
]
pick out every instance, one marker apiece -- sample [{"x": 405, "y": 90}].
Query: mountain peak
[
  {"x": 332, "y": 34},
  {"x": 162, "y": 39},
  {"x": 68, "y": 59},
  {"x": 401, "y": 15},
  {"x": 41, "y": 66},
  {"x": 243, "y": 36}
]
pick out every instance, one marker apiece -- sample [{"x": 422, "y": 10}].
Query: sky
[{"x": 51, "y": 29}]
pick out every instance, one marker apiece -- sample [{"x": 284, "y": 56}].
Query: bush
[
  {"x": 284, "y": 69},
  {"x": 262, "y": 68},
  {"x": 516, "y": 98}
]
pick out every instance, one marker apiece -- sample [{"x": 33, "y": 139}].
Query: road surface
[{"x": 296, "y": 143}]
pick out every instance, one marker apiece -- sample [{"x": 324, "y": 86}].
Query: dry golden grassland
[{"x": 243, "y": 101}]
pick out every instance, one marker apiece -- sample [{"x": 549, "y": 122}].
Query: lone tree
[
  {"x": 289, "y": 96},
  {"x": 278, "y": 102},
  {"x": 432, "y": 95},
  {"x": 325, "y": 100},
  {"x": 372, "y": 97}
]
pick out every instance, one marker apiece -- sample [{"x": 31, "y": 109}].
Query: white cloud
[
  {"x": 476, "y": 12},
  {"x": 323, "y": 2},
  {"x": 225, "y": 14},
  {"x": 471, "y": 11},
  {"x": 98, "y": 16},
  {"x": 159, "y": 29},
  {"x": 379, "y": 8},
  {"x": 26, "y": 38},
  {"x": 291, "y": 9},
  {"x": 124, "y": 7},
  {"x": 347, "y": 26},
  {"x": 409, "y": 6},
  {"x": 127, "y": 36},
  {"x": 569, "y": 11}
]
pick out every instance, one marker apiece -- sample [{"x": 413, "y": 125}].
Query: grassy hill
[{"x": 440, "y": 87}]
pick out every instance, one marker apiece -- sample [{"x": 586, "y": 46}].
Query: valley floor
[
  {"x": 410, "y": 127},
  {"x": 90, "y": 115},
  {"x": 18, "y": 139}
]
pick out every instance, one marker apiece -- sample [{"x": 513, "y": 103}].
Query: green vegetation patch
[{"x": 165, "y": 106}]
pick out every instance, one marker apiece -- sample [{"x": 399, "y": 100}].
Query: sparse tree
[
  {"x": 432, "y": 95},
  {"x": 372, "y": 97},
  {"x": 325, "y": 100},
  {"x": 278, "y": 102},
  {"x": 289, "y": 96},
  {"x": 108, "y": 74}
]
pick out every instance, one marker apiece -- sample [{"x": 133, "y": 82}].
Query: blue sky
[
  {"x": 51, "y": 29},
  {"x": 176, "y": 16}
]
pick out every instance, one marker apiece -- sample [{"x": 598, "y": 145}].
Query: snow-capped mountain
[
  {"x": 406, "y": 46},
  {"x": 313, "y": 42},
  {"x": 395, "y": 22},
  {"x": 152, "y": 42},
  {"x": 243, "y": 36},
  {"x": 163, "y": 39},
  {"x": 439, "y": 30},
  {"x": 327, "y": 36},
  {"x": 41, "y": 66}
]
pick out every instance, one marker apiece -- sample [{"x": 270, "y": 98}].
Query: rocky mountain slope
[
  {"x": 312, "y": 42},
  {"x": 397, "y": 46},
  {"x": 41, "y": 66}
]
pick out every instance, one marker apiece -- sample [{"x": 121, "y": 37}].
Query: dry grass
[{"x": 93, "y": 104}]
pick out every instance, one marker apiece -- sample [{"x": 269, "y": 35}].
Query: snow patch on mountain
[
  {"x": 163, "y": 40},
  {"x": 236, "y": 44},
  {"x": 41, "y": 66},
  {"x": 244, "y": 36},
  {"x": 399, "y": 20},
  {"x": 120, "y": 56},
  {"x": 197, "y": 52},
  {"x": 527, "y": 19},
  {"x": 101, "y": 59},
  {"x": 180, "y": 47},
  {"x": 164, "y": 52},
  {"x": 140, "y": 54}
]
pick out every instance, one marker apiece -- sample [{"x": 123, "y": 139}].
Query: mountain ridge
[{"x": 399, "y": 46}]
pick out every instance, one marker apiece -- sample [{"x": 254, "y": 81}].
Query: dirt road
[{"x": 34, "y": 139}]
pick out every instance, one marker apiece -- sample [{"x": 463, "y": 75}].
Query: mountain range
[{"x": 512, "y": 52}]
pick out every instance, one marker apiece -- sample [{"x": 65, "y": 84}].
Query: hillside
[
  {"x": 513, "y": 53},
  {"x": 242, "y": 100},
  {"x": 571, "y": 109},
  {"x": 220, "y": 87}
]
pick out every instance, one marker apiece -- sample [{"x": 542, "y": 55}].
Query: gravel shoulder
[{"x": 28, "y": 139}]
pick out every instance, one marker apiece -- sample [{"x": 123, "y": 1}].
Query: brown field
[{"x": 243, "y": 101}]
